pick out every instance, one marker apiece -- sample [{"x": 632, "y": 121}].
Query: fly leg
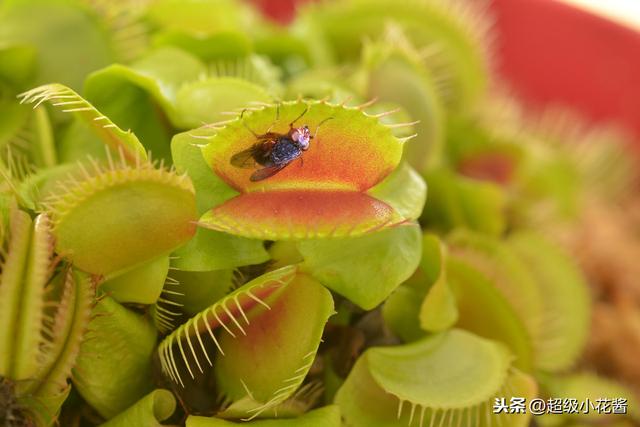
[
  {"x": 306, "y": 108},
  {"x": 277, "y": 117},
  {"x": 245, "y": 125},
  {"x": 318, "y": 128}
]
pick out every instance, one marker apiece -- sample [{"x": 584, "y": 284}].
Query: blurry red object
[
  {"x": 281, "y": 11},
  {"x": 553, "y": 53}
]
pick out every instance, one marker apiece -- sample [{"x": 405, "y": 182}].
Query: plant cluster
[{"x": 147, "y": 278}]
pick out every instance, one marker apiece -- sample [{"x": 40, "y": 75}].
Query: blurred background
[{"x": 589, "y": 47}]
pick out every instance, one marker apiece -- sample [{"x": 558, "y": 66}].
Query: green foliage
[
  {"x": 149, "y": 411},
  {"x": 142, "y": 285},
  {"x": 44, "y": 27},
  {"x": 328, "y": 416},
  {"x": 445, "y": 378},
  {"x": 119, "y": 209},
  {"x": 219, "y": 290},
  {"x": 113, "y": 384},
  {"x": 343, "y": 264}
]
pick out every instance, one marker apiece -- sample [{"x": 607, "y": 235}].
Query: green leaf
[
  {"x": 438, "y": 381},
  {"x": 149, "y": 411},
  {"x": 109, "y": 222},
  {"x": 141, "y": 285},
  {"x": 364, "y": 269},
  {"x": 200, "y": 289},
  {"x": 112, "y": 384},
  {"x": 25, "y": 272},
  {"x": 17, "y": 62},
  {"x": 395, "y": 76},
  {"x": 296, "y": 321},
  {"x": 141, "y": 97},
  {"x": 211, "y": 190},
  {"x": 459, "y": 30},
  {"x": 439, "y": 310},
  {"x": 205, "y": 101},
  {"x": 401, "y": 312},
  {"x": 426, "y": 301},
  {"x": 459, "y": 368},
  {"x": 70, "y": 320},
  {"x": 214, "y": 250},
  {"x": 222, "y": 45},
  {"x": 78, "y": 142},
  {"x": 404, "y": 190},
  {"x": 199, "y": 17},
  {"x": 224, "y": 314},
  {"x": 69, "y": 101},
  {"x": 566, "y": 305},
  {"x": 328, "y": 416},
  {"x": 44, "y": 25},
  {"x": 456, "y": 201},
  {"x": 483, "y": 310}
]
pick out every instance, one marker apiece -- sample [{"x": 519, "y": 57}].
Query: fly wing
[
  {"x": 244, "y": 159},
  {"x": 265, "y": 173},
  {"x": 258, "y": 153}
]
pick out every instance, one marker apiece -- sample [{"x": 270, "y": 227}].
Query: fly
[{"x": 273, "y": 151}]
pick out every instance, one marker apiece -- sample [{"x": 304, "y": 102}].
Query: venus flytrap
[
  {"x": 298, "y": 316},
  {"x": 327, "y": 180},
  {"x": 463, "y": 202},
  {"x": 332, "y": 83},
  {"x": 149, "y": 411},
  {"x": 460, "y": 31},
  {"x": 395, "y": 73},
  {"x": 193, "y": 296},
  {"x": 68, "y": 101},
  {"x": 38, "y": 24},
  {"x": 328, "y": 416},
  {"x": 312, "y": 286},
  {"x": 457, "y": 289},
  {"x": 122, "y": 201},
  {"x": 67, "y": 330},
  {"x": 566, "y": 307},
  {"x": 509, "y": 274},
  {"x": 225, "y": 335},
  {"x": 378, "y": 391},
  {"x": 173, "y": 89},
  {"x": 473, "y": 293},
  {"x": 112, "y": 384},
  {"x": 103, "y": 186},
  {"x": 212, "y": 29},
  {"x": 45, "y": 320},
  {"x": 141, "y": 285}
]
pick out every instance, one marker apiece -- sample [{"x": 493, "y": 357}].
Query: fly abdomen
[{"x": 285, "y": 151}]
